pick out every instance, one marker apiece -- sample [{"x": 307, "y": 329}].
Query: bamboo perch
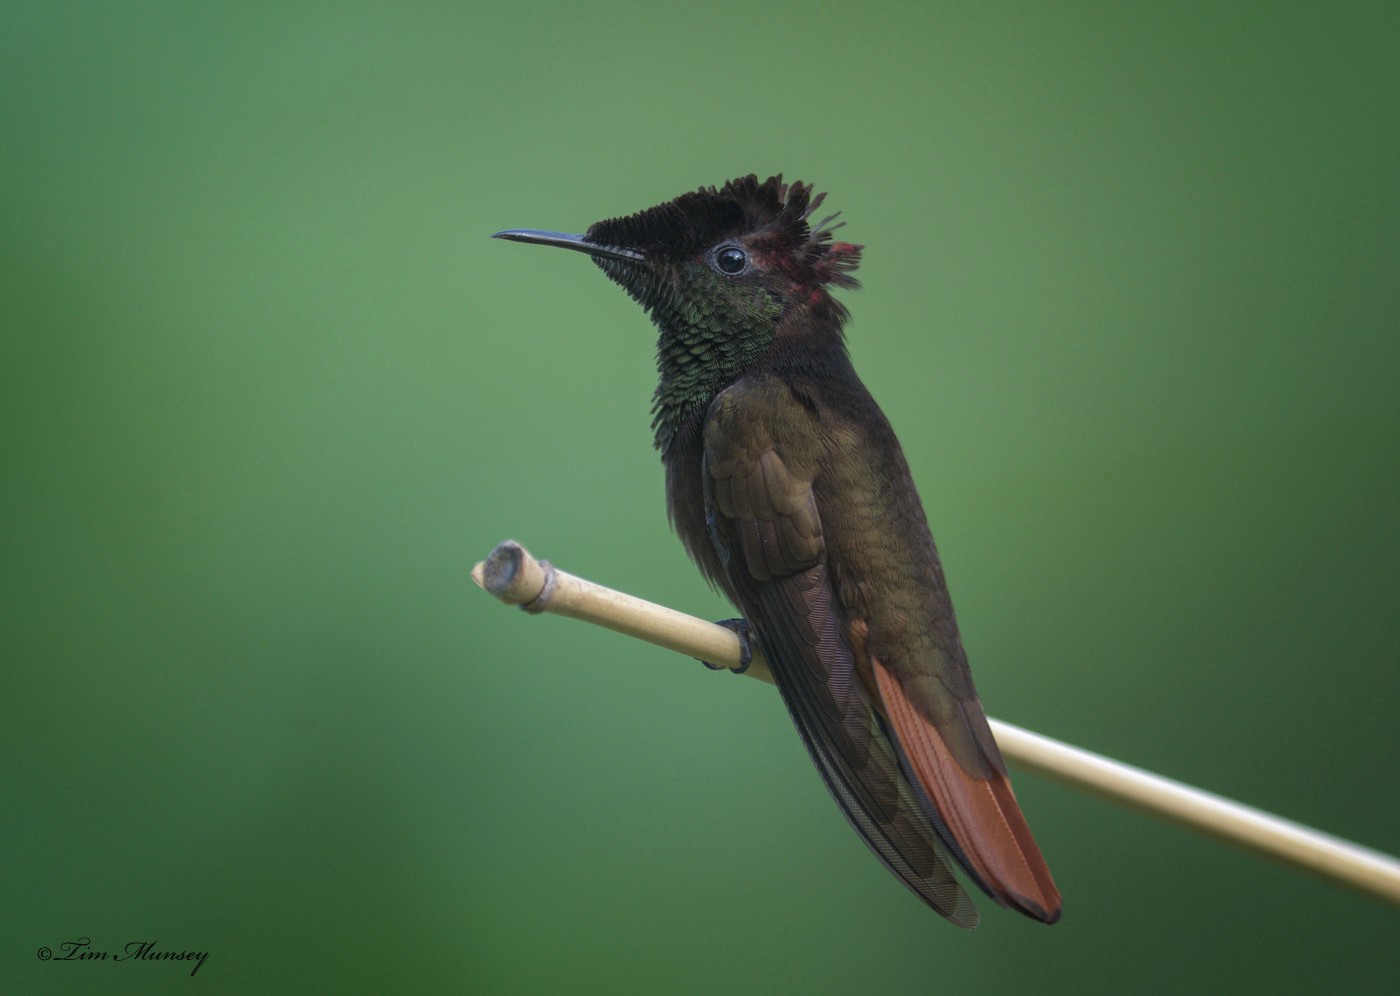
[{"x": 516, "y": 578}]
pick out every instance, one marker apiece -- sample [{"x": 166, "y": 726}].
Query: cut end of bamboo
[{"x": 511, "y": 574}]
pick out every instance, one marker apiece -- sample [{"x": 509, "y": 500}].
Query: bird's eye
[{"x": 731, "y": 260}]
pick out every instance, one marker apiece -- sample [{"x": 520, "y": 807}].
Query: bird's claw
[{"x": 740, "y": 628}]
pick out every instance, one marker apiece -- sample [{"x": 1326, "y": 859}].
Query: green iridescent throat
[{"x": 709, "y": 336}]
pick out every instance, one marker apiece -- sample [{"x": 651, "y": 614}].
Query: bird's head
[
  {"x": 725, "y": 273},
  {"x": 739, "y": 254}
]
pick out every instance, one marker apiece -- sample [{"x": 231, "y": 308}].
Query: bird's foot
[{"x": 740, "y": 628}]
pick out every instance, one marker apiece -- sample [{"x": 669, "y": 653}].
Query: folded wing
[{"x": 878, "y": 747}]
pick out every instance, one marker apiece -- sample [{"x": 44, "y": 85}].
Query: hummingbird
[{"x": 789, "y": 490}]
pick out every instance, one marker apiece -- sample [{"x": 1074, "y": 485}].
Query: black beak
[{"x": 575, "y": 242}]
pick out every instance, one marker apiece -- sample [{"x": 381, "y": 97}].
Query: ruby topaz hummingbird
[{"x": 790, "y": 491}]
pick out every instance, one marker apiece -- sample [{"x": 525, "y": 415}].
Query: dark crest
[{"x": 774, "y": 211}]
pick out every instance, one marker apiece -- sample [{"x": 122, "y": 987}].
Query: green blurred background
[{"x": 268, "y": 390}]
